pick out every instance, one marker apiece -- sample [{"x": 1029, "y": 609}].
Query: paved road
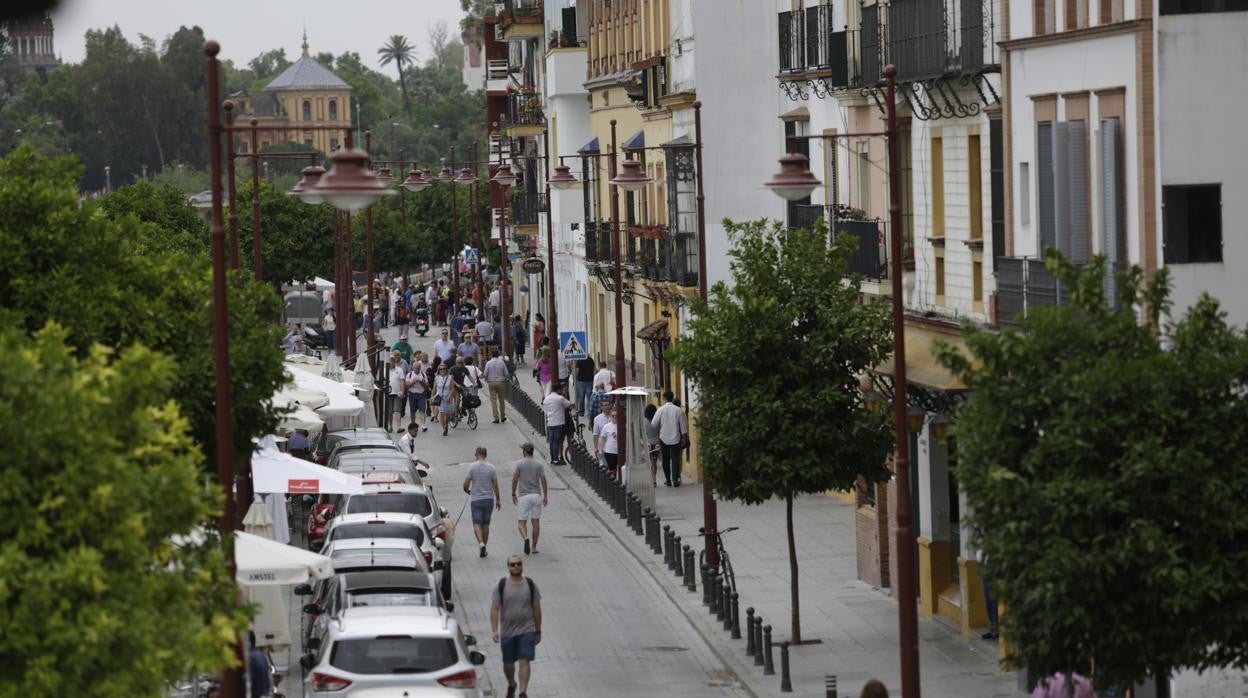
[{"x": 609, "y": 628}]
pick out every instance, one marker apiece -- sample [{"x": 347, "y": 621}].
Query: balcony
[
  {"x": 525, "y": 211},
  {"x": 871, "y": 257},
  {"x": 811, "y": 48},
  {"x": 1023, "y": 283},
  {"x": 496, "y": 76},
  {"x": 525, "y": 115},
  {"x": 521, "y": 20},
  {"x": 591, "y": 242},
  {"x": 926, "y": 39}
]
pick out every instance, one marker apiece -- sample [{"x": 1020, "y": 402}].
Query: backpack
[{"x": 502, "y": 584}]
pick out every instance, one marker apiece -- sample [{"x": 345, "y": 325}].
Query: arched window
[
  {"x": 333, "y": 110},
  {"x": 307, "y": 110}
]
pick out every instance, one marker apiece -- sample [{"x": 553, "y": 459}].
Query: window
[
  {"x": 1024, "y": 192},
  {"x": 1076, "y": 14},
  {"x": 1190, "y": 7},
  {"x": 940, "y": 277},
  {"x": 1111, "y": 11},
  {"x": 333, "y": 110},
  {"x": 977, "y": 282},
  {"x": 937, "y": 227},
  {"x": 832, "y": 170},
  {"x": 307, "y": 110},
  {"x": 864, "y": 175},
  {"x": 1044, "y": 16},
  {"x": 1046, "y": 213},
  {"x": 1192, "y": 219},
  {"x": 1113, "y": 242},
  {"x": 1070, "y": 172},
  {"x": 975, "y": 185}
]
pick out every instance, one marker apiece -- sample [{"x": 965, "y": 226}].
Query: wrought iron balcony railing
[
  {"x": 526, "y": 208},
  {"x": 591, "y": 242},
  {"x": 524, "y": 109},
  {"x": 810, "y": 42},
  {"x": 1022, "y": 283},
  {"x": 925, "y": 39}
]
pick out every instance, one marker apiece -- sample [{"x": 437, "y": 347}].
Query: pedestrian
[
  {"x": 600, "y": 420},
  {"x": 545, "y": 370},
  {"x": 539, "y": 334},
  {"x": 328, "y": 325},
  {"x": 459, "y": 374},
  {"x": 1057, "y": 686},
  {"x": 417, "y": 387},
  {"x": 402, "y": 316},
  {"x": 653, "y": 445},
  {"x": 609, "y": 444},
  {"x": 448, "y": 542},
  {"x": 493, "y": 303},
  {"x": 485, "y": 333},
  {"x": 496, "y": 378},
  {"x": 473, "y": 382},
  {"x": 403, "y": 347},
  {"x": 673, "y": 436},
  {"x": 444, "y": 396},
  {"x": 481, "y": 484},
  {"x": 518, "y": 337},
  {"x": 398, "y": 391},
  {"x": 989, "y": 601},
  {"x": 469, "y": 347},
  {"x": 516, "y": 621},
  {"x": 604, "y": 380},
  {"x": 407, "y": 444},
  {"x": 555, "y": 406},
  {"x": 529, "y": 493},
  {"x": 585, "y": 369},
  {"x": 258, "y": 672},
  {"x": 873, "y": 689},
  {"x": 444, "y": 348}
]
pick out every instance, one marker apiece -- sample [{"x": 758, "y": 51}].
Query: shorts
[
  {"x": 417, "y": 401},
  {"x": 522, "y": 646},
  {"x": 482, "y": 511},
  {"x": 396, "y": 403},
  {"x": 529, "y": 506}
]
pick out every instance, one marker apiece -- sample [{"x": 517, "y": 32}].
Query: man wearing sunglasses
[{"x": 516, "y": 606}]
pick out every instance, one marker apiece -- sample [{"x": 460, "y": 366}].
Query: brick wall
[{"x": 871, "y": 525}]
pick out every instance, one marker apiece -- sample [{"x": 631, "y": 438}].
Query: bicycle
[
  {"x": 573, "y": 435},
  {"x": 468, "y": 414},
  {"x": 725, "y": 562}
]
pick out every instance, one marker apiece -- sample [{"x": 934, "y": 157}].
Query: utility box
[{"x": 636, "y": 463}]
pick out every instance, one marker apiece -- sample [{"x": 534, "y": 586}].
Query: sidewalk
[{"x": 856, "y": 624}]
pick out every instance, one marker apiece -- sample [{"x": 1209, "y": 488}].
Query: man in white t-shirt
[
  {"x": 555, "y": 406},
  {"x": 608, "y": 442},
  {"x": 599, "y": 421},
  {"x": 444, "y": 347},
  {"x": 672, "y": 432},
  {"x": 603, "y": 380}
]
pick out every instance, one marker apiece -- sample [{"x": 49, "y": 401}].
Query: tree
[
  {"x": 776, "y": 358},
  {"x": 439, "y": 41},
  {"x": 398, "y": 51},
  {"x": 296, "y": 239},
  {"x": 101, "y": 473},
  {"x": 176, "y": 226},
  {"x": 1103, "y": 460}
]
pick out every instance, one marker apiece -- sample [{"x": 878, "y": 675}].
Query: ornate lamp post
[{"x": 506, "y": 179}]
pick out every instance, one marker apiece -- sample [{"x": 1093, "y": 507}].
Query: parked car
[
  {"x": 358, "y": 462},
  {"x": 386, "y": 647},
  {"x": 324, "y": 442},
  {"x": 389, "y": 525},
  {"x": 366, "y": 445},
  {"x": 360, "y": 555},
  {"x": 400, "y": 498},
  {"x": 371, "y": 588}
]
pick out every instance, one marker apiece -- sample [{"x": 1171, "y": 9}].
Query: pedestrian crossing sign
[
  {"x": 470, "y": 255},
  {"x": 572, "y": 345}
]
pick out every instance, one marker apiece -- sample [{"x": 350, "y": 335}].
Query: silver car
[
  {"x": 392, "y": 646},
  {"x": 388, "y": 525},
  {"x": 402, "y": 498}
]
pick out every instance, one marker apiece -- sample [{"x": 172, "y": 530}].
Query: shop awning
[
  {"x": 590, "y": 147},
  {"x": 655, "y": 331},
  {"x": 921, "y": 365},
  {"x": 637, "y": 141}
]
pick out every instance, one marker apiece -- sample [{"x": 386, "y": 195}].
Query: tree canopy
[
  {"x": 776, "y": 357},
  {"x": 1103, "y": 460}
]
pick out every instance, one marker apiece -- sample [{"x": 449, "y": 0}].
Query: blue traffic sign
[
  {"x": 573, "y": 345},
  {"x": 470, "y": 255}
]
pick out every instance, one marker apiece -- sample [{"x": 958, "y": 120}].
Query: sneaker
[
  {"x": 504, "y": 419},
  {"x": 990, "y": 635},
  {"x": 425, "y": 428},
  {"x": 526, "y": 546},
  {"x": 483, "y": 551},
  {"x": 667, "y": 483}
]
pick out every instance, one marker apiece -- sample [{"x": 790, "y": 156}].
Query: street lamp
[
  {"x": 417, "y": 181},
  {"x": 349, "y": 185},
  {"x": 506, "y": 179},
  {"x": 468, "y": 177},
  {"x": 794, "y": 182},
  {"x": 562, "y": 179},
  {"x": 305, "y": 188}
]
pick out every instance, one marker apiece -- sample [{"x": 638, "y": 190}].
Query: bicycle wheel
[
  {"x": 454, "y": 419},
  {"x": 725, "y": 566},
  {"x": 472, "y": 419}
]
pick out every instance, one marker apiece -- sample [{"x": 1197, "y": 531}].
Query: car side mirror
[
  {"x": 311, "y": 608},
  {"x": 437, "y": 565},
  {"x": 443, "y": 511},
  {"x": 303, "y": 590},
  {"x": 470, "y": 640},
  {"x": 439, "y": 543},
  {"x": 307, "y": 661},
  {"x": 422, "y": 473},
  {"x": 314, "y": 644},
  {"x": 476, "y": 658}
]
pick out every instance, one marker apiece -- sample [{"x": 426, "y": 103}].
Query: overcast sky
[{"x": 246, "y": 28}]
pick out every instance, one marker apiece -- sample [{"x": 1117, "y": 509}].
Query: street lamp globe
[
  {"x": 794, "y": 181},
  {"x": 504, "y": 177},
  {"x": 446, "y": 175},
  {"x": 384, "y": 176},
  {"x": 631, "y": 177},
  {"x": 562, "y": 178},
  {"x": 416, "y": 181},
  {"x": 305, "y": 187},
  {"x": 465, "y": 177},
  {"x": 349, "y": 185}
]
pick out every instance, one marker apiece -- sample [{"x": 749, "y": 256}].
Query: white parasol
[
  {"x": 282, "y": 473},
  {"x": 271, "y": 621},
  {"x": 363, "y": 381},
  {"x": 260, "y": 561}
]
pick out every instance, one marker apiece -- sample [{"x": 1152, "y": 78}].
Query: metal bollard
[
  {"x": 758, "y": 640},
  {"x": 706, "y": 588},
  {"x": 629, "y": 510},
  {"x": 621, "y": 495},
  {"x": 637, "y": 518},
  {"x": 725, "y": 603},
  {"x": 667, "y": 546},
  {"x": 769, "y": 668},
  {"x": 749, "y": 632},
  {"x": 786, "y": 684},
  {"x": 656, "y": 543},
  {"x": 829, "y": 686},
  {"x": 691, "y": 582},
  {"x": 678, "y": 558},
  {"x": 736, "y": 617},
  {"x": 717, "y": 596},
  {"x": 647, "y": 524}
]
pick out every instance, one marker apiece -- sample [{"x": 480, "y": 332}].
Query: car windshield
[
  {"x": 393, "y": 655},
  {"x": 381, "y": 473},
  {"x": 384, "y": 597},
  {"x": 378, "y": 529},
  {"x": 400, "y": 502},
  {"x": 372, "y": 558}
]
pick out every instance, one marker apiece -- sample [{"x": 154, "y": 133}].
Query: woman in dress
[
  {"x": 539, "y": 335},
  {"x": 609, "y": 445},
  {"x": 545, "y": 370},
  {"x": 444, "y": 395}
]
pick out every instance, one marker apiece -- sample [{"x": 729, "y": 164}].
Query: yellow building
[{"x": 306, "y": 94}]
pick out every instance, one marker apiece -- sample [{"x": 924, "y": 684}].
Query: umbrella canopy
[
  {"x": 363, "y": 381},
  {"x": 282, "y": 473},
  {"x": 271, "y": 621},
  {"x": 342, "y": 399},
  {"x": 322, "y": 284},
  {"x": 260, "y": 561}
]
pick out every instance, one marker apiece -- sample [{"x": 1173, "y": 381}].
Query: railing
[
  {"x": 526, "y": 207},
  {"x": 527, "y": 407},
  {"x": 648, "y": 258},
  {"x": 916, "y": 39},
  {"x": 683, "y": 260},
  {"x": 804, "y": 215},
  {"x": 591, "y": 242},
  {"x": 979, "y": 36},
  {"x": 521, "y": 8},
  {"x": 808, "y": 40},
  {"x": 871, "y": 257},
  {"x": 872, "y": 44},
  {"x": 927, "y": 39},
  {"x": 497, "y": 69},
  {"x": 524, "y": 108},
  {"x": 1022, "y": 283}
]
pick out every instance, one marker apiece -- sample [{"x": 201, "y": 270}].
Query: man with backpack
[{"x": 516, "y": 621}]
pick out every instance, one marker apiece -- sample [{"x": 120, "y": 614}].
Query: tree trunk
[
  {"x": 795, "y": 620},
  {"x": 407, "y": 103}
]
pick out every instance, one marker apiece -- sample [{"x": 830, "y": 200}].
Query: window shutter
[
  {"x": 1045, "y": 205},
  {"x": 1077, "y": 182},
  {"x": 1111, "y": 205},
  {"x": 1061, "y": 187}
]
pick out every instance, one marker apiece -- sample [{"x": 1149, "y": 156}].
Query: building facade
[{"x": 31, "y": 42}]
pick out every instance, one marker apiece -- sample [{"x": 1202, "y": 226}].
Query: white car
[
  {"x": 400, "y": 498},
  {"x": 392, "y": 647},
  {"x": 388, "y": 525}
]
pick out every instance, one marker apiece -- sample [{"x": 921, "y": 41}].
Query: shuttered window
[
  {"x": 938, "y": 188},
  {"x": 975, "y": 185},
  {"x": 1068, "y": 183},
  {"x": 1112, "y": 244},
  {"x": 940, "y": 277},
  {"x": 1192, "y": 219},
  {"x": 1045, "y": 203}
]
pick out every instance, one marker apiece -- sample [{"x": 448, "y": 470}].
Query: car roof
[
  {"x": 378, "y": 544},
  {"x": 371, "y": 621},
  {"x": 387, "y": 579},
  {"x": 360, "y": 432},
  {"x": 379, "y": 443},
  {"x": 399, "y": 487},
  {"x": 386, "y": 516},
  {"x": 366, "y": 454}
]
